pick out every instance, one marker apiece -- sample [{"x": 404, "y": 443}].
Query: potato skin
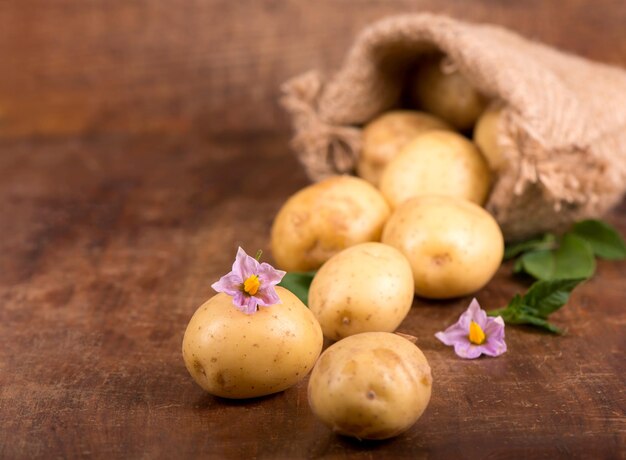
[
  {"x": 373, "y": 385},
  {"x": 454, "y": 246},
  {"x": 486, "y": 137},
  {"x": 384, "y": 137},
  {"x": 447, "y": 95},
  {"x": 324, "y": 218},
  {"x": 367, "y": 287},
  {"x": 234, "y": 355},
  {"x": 437, "y": 163}
]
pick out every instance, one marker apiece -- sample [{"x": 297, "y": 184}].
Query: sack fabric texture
[{"x": 562, "y": 130}]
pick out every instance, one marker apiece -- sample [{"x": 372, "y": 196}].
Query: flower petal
[
  {"x": 465, "y": 319},
  {"x": 495, "y": 344},
  {"x": 244, "y": 303},
  {"x": 452, "y": 335},
  {"x": 495, "y": 328},
  {"x": 467, "y": 350},
  {"x": 457, "y": 335},
  {"x": 244, "y": 265},
  {"x": 269, "y": 275},
  {"x": 267, "y": 297},
  {"x": 228, "y": 284},
  {"x": 243, "y": 268},
  {"x": 478, "y": 314},
  {"x": 239, "y": 300},
  {"x": 493, "y": 347},
  {"x": 251, "y": 306}
]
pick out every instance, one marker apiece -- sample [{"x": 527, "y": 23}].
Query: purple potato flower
[
  {"x": 250, "y": 283},
  {"x": 475, "y": 333}
]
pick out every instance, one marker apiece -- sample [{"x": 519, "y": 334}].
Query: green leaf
[
  {"x": 546, "y": 241},
  {"x": 605, "y": 240},
  {"x": 539, "y": 322},
  {"x": 546, "y": 297},
  {"x": 539, "y": 264},
  {"x": 519, "y": 266},
  {"x": 573, "y": 259},
  {"x": 298, "y": 283},
  {"x": 542, "y": 299},
  {"x": 512, "y": 307}
]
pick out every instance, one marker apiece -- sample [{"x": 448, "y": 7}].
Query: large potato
[
  {"x": 384, "y": 137},
  {"x": 486, "y": 137},
  {"x": 324, "y": 218},
  {"x": 373, "y": 385},
  {"x": 235, "y": 355},
  {"x": 437, "y": 87},
  {"x": 367, "y": 287},
  {"x": 454, "y": 246},
  {"x": 437, "y": 163}
]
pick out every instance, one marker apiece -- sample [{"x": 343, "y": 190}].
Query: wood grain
[
  {"x": 72, "y": 67},
  {"x": 141, "y": 143}
]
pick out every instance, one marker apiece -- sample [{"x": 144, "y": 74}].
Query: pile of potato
[
  {"x": 420, "y": 191},
  {"x": 412, "y": 223}
]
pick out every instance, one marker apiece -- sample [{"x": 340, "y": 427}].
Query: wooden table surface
[{"x": 140, "y": 143}]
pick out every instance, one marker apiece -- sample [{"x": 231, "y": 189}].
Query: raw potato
[
  {"x": 486, "y": 137},
  {"x": 324, "y": 218},
  {"x": 373, "y": 385},
  {"x": 235, "y": 355},
  {"x": 437, "y": 163},
  {"x": 384, "y": 137},
  {"x": 454, "y": 246},
  {"x": 367, "y": 287},
  {"x": 440, "y": 89}
]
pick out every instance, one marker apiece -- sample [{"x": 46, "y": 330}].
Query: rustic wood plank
[
  {"x": 72, "y": 67},
  {"x": 141, "y": 144},
  {"x": 113, "y": 243}
]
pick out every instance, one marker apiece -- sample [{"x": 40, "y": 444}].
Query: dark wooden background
[{"x": 140, "y": 143}]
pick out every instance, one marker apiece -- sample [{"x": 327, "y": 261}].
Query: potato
[
  {"x": 454, "y": 246},
  {"x": 486, "y": 137},
  {"x": 384, "y": 137},
  {"x": 437, "y": 163},
  {"x": 324, "y": 218},
  {"x": 373, "y": 385},
  {"x": 367, "y": 287},
  {"x": 440, "y": 89},
  {"x": 235, "y": 355}
]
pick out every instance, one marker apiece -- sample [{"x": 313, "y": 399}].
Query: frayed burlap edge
[{"x": 562, "y": 131}]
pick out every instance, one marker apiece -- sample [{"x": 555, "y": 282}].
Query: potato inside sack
[
  {"x": 367, "y": 287},
  {"x": 324, "y": 218},
  {"x": 454, "y": 246},
  {"x": 373, "y": 385},
  {"x": 437, "y": 163},
  {"x": 387, "y": 134},
  {"x": 486, "y": 137},
  {"x": 436, "y": 86}
]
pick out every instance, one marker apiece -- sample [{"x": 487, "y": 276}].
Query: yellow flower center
[
  {"x": 476, "y": 334},
  {"x": 251, "y": 285}
]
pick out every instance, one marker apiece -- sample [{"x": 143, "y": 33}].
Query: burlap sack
[{"x": 562, "y": 131}]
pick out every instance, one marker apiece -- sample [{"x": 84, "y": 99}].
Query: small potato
[
  {"x": 373, "y": 385},
  {"x": 324, "y": 218},
  {"x": 437, "y": 163},
  {"x": 454, "y": 246},
  {"x": 437, "y": 87},
  {"x": 235, "y": 355},
  {"x": 486, "y": 137},
  {"x": 367, "y": 287},
  {"x": 384, "y": 137}
]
